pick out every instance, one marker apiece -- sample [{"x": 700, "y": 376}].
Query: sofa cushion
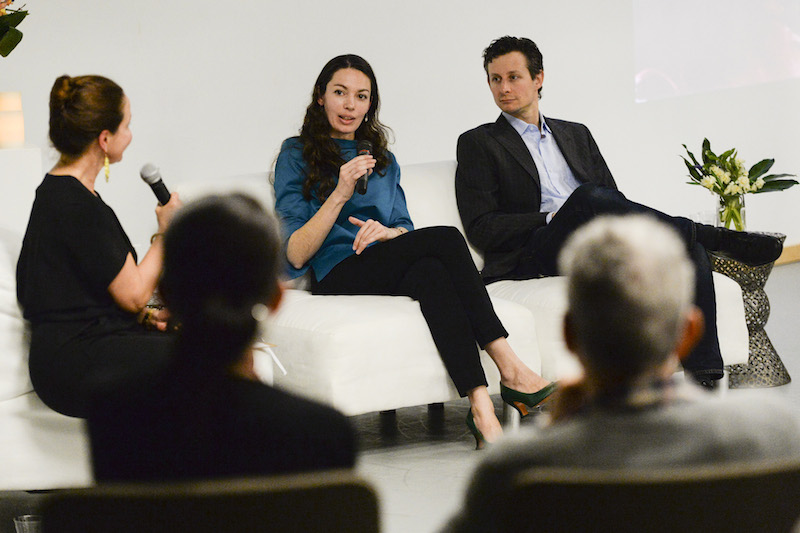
[
  {"x": 14, "y": 335},
  {"x": 546, "y": 298},
  {"x": 41, "y": 449},
  {"x": 256, "y": 185},
  {"x": 431, "y": 197},
  {"x": 372, "y": 353}
]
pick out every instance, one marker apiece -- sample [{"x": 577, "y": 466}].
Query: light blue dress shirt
[{"x": 555, "y": 177}]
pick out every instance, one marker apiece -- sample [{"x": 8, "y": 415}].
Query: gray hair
[{"x": 630, "y": 286}]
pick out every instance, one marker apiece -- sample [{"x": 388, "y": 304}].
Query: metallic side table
[{"x": 764, "y": 368}]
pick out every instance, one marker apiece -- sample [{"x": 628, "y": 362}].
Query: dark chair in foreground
[
  {"x": 731, "y": 498},
  {"x": 334, "y": 501}
]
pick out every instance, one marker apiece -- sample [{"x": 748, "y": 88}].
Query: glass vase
[{"x": 731, "y": 212}]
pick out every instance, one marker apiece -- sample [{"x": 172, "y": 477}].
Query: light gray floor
[{"x": 420, "y": 460}]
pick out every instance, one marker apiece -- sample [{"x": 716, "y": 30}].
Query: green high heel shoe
[
  {"x": 522, "y": 401},
  {"x": 480, "y": 442}
]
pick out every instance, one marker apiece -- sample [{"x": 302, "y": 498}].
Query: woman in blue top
[{"x": 366, "y": 243}]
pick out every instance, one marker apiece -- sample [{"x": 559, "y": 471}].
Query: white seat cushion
[
  {"x": 546, "y": 298},
  {"x": 14, "y": 336},
  {"x": 41, "y": 449},
  {"x": 373, "y": 353}
]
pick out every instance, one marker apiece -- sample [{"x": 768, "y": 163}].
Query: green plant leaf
[
  {"x": 727, "y": 154},
  {"x": 12, "y": 20},
  {"x": 773, "y": 177},
  {"x": 9, "y": 41},
  {"x": 693, "y": 172},
  {"x": 776, "y": 185},
  {"x": 708, "y": 155},
  {"x": 760, "y": 168},
  {"x": 690, "y": 155}
]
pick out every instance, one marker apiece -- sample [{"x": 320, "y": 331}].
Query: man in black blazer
[{"x": 525, "y": 183}]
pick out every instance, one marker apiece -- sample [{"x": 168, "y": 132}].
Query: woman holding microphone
[
  {"x": 78, "y": 279},
  {"x": 366, "y": 243}
]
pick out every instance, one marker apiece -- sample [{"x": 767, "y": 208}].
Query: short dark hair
[
  {"x": 630, "y": 285},
  {"x": 506, "y": 45}
]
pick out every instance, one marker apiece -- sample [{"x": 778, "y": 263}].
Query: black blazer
[{"x": 498, "y": 189}]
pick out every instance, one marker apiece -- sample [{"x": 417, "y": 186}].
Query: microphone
[
  {"x": 152, "y": 176},
  {"x": 363, "y": 148}
]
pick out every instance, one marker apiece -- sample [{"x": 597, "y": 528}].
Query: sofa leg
[
  {"x": 436, "y": 425},
  {"x": 511, "y": 419},
  {"x": 388, "y": 423}
]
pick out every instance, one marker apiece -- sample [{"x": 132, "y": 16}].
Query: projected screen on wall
[{"x": 693, "y": 46}]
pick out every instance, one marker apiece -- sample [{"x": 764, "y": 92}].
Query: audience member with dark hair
[
  {"x": 366, "y": 243},
  {"x": 78, "y": 280},
  {"x": 525, "y": 182},
  {"x": 209, "y": 415},
  {"x": 630, "y": 318}
]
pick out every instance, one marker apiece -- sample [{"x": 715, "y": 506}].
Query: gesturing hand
[{"x": 369, "y": 232}]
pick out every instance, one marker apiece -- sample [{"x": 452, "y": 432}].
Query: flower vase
[{"x": 731, "y": 212}]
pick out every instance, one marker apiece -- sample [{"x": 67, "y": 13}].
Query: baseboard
[{"x": 790, "y": 254}]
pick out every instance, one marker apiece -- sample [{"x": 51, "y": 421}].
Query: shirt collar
[
  {"x": 520, "y": 126},
  {"x": 652, "y": 393}
]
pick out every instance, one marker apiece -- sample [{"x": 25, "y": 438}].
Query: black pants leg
[
  {"x": 434, "y": 267},
  {"x": 587, "y": 202},
  {"x": 69, "y": 369}
]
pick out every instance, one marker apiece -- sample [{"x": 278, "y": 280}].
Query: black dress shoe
[
  {"x": 708, "y": 384},
  {"x": 707, "y": 380},
  {"x": 749, "y": 248}
]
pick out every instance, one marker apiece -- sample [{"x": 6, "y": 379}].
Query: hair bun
[
  {"x": 64, "y": 88},
  {"x": 81, "y": 108}
]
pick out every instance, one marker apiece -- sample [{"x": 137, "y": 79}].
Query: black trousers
[
  {"x": 71, "y": 362},
  {"x": 434, "y": 267},
  {"x": 587, "y": 202}
]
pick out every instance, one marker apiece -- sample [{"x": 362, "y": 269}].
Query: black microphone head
[
  {"x": 363, "y": 147},
  {"x": 150, "y": 173}
]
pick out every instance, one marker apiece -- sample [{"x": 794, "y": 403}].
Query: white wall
[{"x": 216, "y": 86}]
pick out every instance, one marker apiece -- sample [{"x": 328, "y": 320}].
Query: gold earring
[{"x": 105, "y": 166}]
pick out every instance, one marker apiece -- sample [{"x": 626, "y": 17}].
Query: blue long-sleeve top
[{"x": 384, "y": 202}]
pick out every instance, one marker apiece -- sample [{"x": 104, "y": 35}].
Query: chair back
[
  {"x": 725, "y": 498},
  {"x": 333, "y": 501}
]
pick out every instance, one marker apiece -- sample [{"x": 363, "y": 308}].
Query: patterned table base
[{"x": 764, "y": 368}]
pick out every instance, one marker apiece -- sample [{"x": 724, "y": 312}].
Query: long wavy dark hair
[{"x": 320, "y": 151}]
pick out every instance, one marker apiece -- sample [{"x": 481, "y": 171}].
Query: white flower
[
  {"x": 759, "y": 184},
  {"x": 732, "y": 190},
  {"x": 743, "y": 182},
  {"x": 708, "y": 182}
]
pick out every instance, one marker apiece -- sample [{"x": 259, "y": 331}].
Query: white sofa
[
  {"x": 322, "y": 340},
  {"x": 358, "y": 353},
  {"x": 39, "y": 448}
]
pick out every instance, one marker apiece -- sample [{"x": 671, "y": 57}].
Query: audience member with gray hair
[{"x": 630, "y": 319}]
